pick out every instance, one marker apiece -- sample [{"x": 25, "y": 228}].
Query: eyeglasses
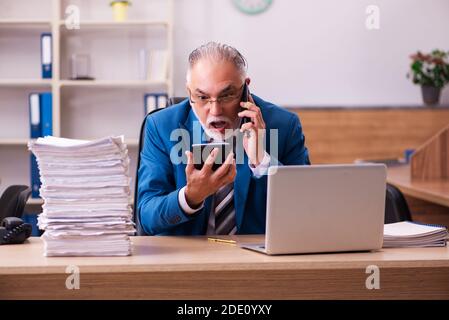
[{"x": 203, "y": 100}]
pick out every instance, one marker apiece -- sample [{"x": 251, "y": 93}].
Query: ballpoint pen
[{"x": 222, "y": 240}]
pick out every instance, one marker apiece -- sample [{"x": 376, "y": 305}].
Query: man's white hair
[{"x": 218, "y": 52}]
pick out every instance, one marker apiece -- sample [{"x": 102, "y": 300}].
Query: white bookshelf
[
  {"x": 25, "y": 83},
  {"x": 113, "y": 83},
  {"x": 112, "y": 103},
  {"x": 14, "y": 142},
  {"x": 24, "y": 23},
  {"x": 123, "y": 24}
]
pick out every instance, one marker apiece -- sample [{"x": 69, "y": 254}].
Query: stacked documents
[
  {"x": 409, "y": 234},
  {"x": 87, "y": 201}
]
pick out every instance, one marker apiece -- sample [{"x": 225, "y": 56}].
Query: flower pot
[
  {"x": 120, "y": 10},
  {"x": 430, "y": 95}
]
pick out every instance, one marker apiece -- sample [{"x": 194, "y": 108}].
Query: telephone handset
[
  {"x": 13, "y": 230},
  {"x": 12, "y": 205}
]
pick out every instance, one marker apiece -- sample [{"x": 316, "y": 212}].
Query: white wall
[{"x": 319, "y": 53}]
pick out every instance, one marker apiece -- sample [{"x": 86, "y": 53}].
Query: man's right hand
[{"x": 205, "y": 182}]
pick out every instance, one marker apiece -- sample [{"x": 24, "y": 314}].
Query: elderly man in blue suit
[{"x": 175, "y": 198}]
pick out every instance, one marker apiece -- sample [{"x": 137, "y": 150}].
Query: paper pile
[
  {"x": 87, "y": 201},
  {"x": 411, "y": 234}
]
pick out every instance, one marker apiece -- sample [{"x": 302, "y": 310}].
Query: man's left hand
[{"x": 254, "y": 137}]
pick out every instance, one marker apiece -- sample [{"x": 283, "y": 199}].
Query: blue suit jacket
[{"x": 160, "y": 180}]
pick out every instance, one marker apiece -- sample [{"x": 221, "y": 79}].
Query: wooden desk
[
  {"x": 432, "y": 191},
  {"x": 193, "y": 268}
]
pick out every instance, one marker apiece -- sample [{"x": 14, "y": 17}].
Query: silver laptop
[{"x": 324, "y": 208}]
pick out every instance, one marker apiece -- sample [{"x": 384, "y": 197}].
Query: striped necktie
[
  {"x": 222, "y": 218},
  {"x": 224, "y": 210}
]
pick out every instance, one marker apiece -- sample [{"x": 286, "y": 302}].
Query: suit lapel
[
  {"x": 193, "y": 127},
  {"x": 192, "y": 134}
]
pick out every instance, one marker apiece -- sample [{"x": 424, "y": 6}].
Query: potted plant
[
  {"x": 431, "y": 71},
  {"x": 120, "y": 10}
]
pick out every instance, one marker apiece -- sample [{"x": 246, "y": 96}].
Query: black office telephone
[
  {"x": 12, "y": 204},
  {"x": 13, "y": 230}
]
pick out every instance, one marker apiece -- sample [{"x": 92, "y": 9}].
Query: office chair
[
  {"x": 136, "y": 218},
  {"x": 396, "y": 208},
  {"x": 13, "y": 201}
]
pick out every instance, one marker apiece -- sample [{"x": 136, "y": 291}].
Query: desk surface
[
  {"x": 435, "y": 191},
  {"x": 194, "y": 268}
]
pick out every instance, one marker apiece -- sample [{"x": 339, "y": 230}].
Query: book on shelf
[
  {"x": 35, "y": 132},
  {"x": 46, "y": 114},
  {"x": 35, "y": 115},
  {"x": 153, "y": 101},
  {"x": 34, "y": 177},
  {"x": 40, "y": 117},
  {"x": 41, "y": 114},
  {"x": 46, "y": 55}
]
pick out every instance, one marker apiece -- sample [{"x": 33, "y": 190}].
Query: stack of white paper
[
  {"x": 408, "y": 234},
  {"x": 87, "y": 200}
]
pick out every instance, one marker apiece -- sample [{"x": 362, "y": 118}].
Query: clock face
[{"x": 252, "y": 6}]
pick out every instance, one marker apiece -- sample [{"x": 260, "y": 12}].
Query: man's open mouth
[{"x": 218, "y": 125}]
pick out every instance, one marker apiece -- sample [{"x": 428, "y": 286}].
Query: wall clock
[{"x": 252, "y": 6}]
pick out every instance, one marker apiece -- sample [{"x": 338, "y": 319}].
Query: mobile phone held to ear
[
  {"x": 202, "y": 150},
  {"x": 245, "y": 98}
]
